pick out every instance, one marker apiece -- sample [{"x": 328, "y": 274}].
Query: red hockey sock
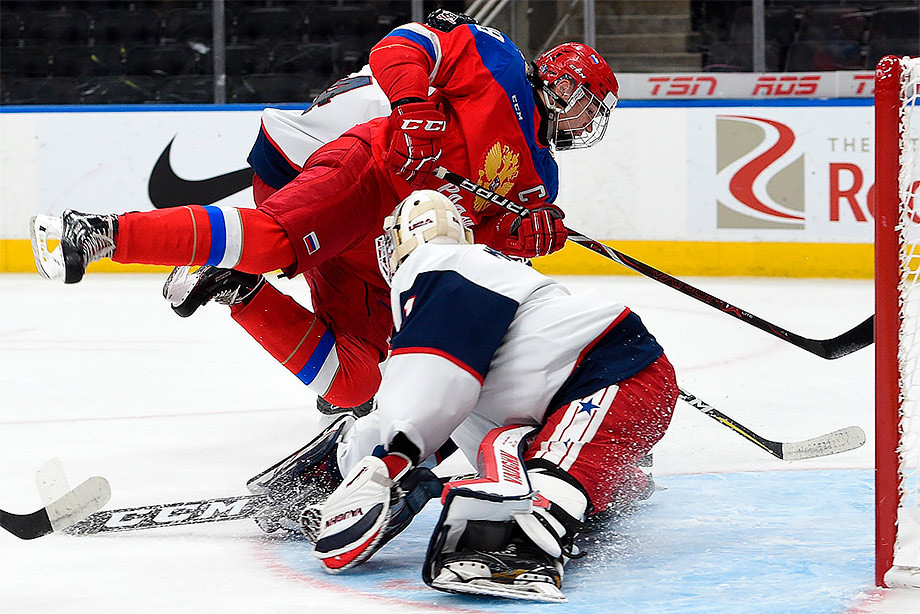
[
  {"x": 245, "y": 239},
  {"x": 341, "y": 370}
]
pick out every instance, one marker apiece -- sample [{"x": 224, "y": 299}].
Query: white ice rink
[{"x": 105, "y": 376}]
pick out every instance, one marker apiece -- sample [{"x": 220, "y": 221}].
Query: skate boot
[
  {"x": 359, "y": 411},
  {"x": 306, "y": 477},
  {"x": 84, "y": 238},
  {"x": 520, "y": 570},
  {"x": 186, "y": 292}
]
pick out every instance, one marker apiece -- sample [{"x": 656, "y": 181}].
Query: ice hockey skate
[
  {"x": 326, "y": 408},
  {"x": 306, "y": 477},
  {"x": 519, "y": 571},
  {"x": 187, "y": 291},
  {"x": 84, "y": 238}
]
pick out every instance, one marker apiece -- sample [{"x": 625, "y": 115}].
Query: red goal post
[{"x": 897, "y": 323}]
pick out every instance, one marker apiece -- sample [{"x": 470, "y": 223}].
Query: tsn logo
[{"x": 683, "y": 86}]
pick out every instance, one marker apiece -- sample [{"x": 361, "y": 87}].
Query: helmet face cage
[
  {"x": 581, "y": 120},
  {"x": 385, "y": 245}
]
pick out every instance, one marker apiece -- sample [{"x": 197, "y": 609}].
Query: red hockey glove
[
  {"x": 417, "y": 128},
  {"x": 539, "y": 234}
]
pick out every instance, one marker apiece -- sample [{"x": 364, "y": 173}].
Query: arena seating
[
  {"x": 809, "y": 35},
  {"x": 136, "y": 50}
]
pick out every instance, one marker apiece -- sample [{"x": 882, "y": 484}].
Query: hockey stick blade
[
  {"x": 841, "y": 440},
  {"x": 70, "y": 509},
  {"x": 170, "y": 515},
  {"x": 854, "y": 339},
  {"x": 51, "y": 481}
]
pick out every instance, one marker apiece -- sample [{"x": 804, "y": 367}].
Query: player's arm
[
  {"x": 451, "y": 328},
  {"x": 405, "y": 63}
]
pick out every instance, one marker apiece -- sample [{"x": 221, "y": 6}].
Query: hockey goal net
[{"x": 897, "y": 322}]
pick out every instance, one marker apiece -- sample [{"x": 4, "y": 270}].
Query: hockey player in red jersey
[
  {"x": 490, "y": 115},
  {"x": 557, "y": 396}
]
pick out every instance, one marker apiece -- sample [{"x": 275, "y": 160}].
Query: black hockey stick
[
  {"x": 854, "y": 339},
  {"x": 841, "y": 440},
  {"x": 60, "y": 514}
]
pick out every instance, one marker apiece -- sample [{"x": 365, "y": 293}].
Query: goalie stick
[
  {"x": 841, "y": 440},
  {"x": 170, "y": 515},
  {"x": 191, "y": 512},
  {"x": 94, "y": 493},
  {"x": 846, "y": 343},
  {"x": 61, "y": 513}
]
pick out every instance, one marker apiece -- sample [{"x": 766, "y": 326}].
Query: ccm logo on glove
[
  {"x": 431, "y": 125},
  {"x": 415, "y": 145}
]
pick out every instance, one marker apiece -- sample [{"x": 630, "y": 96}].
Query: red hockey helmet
[{"x": 580, "y": 91}]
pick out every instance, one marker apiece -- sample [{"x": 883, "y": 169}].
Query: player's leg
[
  {"x": 335, "y": 349},
  {"x": 327, "y": 209},
  {"x": 246, "y": 239},
  {"x": 291, "y": 333},
  {"x": 340, "y": 368},
  {"x": 600, "y": 439}
]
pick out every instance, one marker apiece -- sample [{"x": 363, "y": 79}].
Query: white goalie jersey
[{"x": 481, "y": 341}]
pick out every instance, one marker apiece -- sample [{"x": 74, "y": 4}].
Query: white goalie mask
[{"x": 425, "y": 216}]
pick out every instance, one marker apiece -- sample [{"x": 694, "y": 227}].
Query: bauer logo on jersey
[
  {"x": 498, "y": 172},
  {"x": 311, "y": 242},
  {"x": 760, "y": 174}
]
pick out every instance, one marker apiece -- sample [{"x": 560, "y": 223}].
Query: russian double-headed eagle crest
[{"x": 498, "y": 173}]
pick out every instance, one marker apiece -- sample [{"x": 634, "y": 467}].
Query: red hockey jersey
[{"x": 480, "y": 78}]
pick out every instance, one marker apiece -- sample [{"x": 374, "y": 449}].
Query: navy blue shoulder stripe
[
  {"x": 269, "y": 164},
  {"x": 622, "y": 352},
  {"x": 453, "y": 316}
]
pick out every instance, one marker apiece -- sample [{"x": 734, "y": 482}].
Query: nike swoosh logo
[{"x": 166, "y": 189}]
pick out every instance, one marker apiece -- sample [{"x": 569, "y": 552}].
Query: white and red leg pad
[{"x": 500, "y": 493}]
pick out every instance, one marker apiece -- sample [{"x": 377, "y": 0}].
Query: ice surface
[{"x": 105, "y": 376}]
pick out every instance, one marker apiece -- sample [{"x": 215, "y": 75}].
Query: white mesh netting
[{"x": 907, "y": 544}]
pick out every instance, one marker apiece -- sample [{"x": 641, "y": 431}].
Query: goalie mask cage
[{"x": 897, "y": 323}]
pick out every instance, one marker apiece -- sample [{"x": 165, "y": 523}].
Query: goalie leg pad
[{"x": 477, "y": 546}]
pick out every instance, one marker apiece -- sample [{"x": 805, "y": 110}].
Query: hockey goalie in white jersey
[{"x": 555, "y": 395}]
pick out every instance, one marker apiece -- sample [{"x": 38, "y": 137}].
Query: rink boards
[{"x": 772, "y": 188}]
